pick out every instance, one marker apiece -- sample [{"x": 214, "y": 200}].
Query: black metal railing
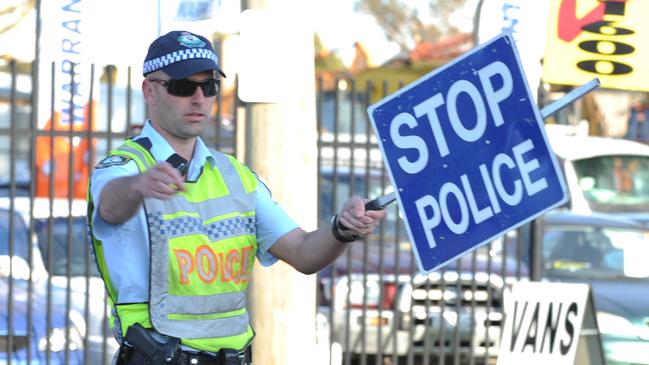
[{"x": 378, "y": 308}]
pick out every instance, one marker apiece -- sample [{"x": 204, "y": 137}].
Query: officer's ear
[{"x": 147, "y": 91}]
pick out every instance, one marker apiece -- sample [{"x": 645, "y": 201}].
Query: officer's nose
[{"x": 198, "y": 94}]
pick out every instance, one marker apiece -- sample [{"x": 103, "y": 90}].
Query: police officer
[{"x": 176, "y": 226}]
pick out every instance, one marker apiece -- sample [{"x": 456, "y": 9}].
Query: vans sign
[{"x": 545, "y": 323}]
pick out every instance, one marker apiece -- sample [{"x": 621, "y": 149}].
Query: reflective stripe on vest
[{"x": 203, "y": 245}]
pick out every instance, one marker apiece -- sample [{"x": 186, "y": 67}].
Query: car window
[
  {"x": 614, "y": 182},
  {"x": 595, "y": 252},
  {"x": 19, "y": 243},
  {"x": 69, "y": 241}
]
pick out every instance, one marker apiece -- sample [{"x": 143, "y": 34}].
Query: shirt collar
[{"x": 162, "y": 150}]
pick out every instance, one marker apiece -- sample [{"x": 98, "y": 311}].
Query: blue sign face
[{"x": 467, "y": 153}]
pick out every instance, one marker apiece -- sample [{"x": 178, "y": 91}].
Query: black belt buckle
[{"x": 232, "y": 357}]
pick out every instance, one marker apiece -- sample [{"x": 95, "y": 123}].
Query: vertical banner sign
[
  {"x": 606, "y": 39},
  {"x": 523, "y": 18},
  {"x": 467, "y": 154},
  {"x": 62, "y": 162}
]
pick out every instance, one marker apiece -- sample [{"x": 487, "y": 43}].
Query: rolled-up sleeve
[
  {"x": 100, "y": 177},
  {"x": 272, "y": 223}
]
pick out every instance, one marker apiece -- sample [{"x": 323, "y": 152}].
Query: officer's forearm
[
  {"x": 308, "y": 252},
  {"x": 120, "y": 200},
  {"x": 322, "y": 248}
]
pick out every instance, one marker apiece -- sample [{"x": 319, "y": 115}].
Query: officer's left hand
[{"x": 356, "y": 219}]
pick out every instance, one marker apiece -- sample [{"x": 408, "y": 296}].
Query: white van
[{"x": 603, "y": 174}]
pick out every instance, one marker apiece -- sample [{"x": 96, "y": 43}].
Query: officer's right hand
[{"x": 162, "y": 182}]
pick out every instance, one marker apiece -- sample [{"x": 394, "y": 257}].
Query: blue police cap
[{"x": 181, "y": 54}]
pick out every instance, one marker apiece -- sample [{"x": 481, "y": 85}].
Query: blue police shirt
[{"x": 126, "y": 246}]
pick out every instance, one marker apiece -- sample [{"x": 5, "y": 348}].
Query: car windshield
[
  {"x": 615, "y": 183},
  {"x": 13, "y": 243},
  {"x": 589, "y": 252},
  {"x": 69, "y": 243}
]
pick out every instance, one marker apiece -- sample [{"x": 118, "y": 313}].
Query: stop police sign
[{"x": 467, "y": 154}]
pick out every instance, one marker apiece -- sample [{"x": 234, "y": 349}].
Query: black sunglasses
[{"x": 186, "y": 87}]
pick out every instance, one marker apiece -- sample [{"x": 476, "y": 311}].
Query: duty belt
[
  {"x": 131, "y": 355},
  {"x": 142, "y": 348},
  {"x": 224, "y": 357}
]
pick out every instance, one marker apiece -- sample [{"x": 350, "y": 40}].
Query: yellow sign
[{"x": 606, "y": 39}]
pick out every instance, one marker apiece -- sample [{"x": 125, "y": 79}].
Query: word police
[
  {"x": 206, "y": 264},
  {"x": 488, "y": 179}
]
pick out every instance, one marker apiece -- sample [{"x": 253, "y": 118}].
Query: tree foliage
[
  {"x": 324, "y": 59},
  {"x": 403, "y": 23}
]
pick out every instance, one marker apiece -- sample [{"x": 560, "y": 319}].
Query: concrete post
[{"x": 281, "y": 149}]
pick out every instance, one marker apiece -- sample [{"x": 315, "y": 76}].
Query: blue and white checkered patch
[
  {"x": 231, "y": 227},
  {"x": 181, "y": 55},
  {"x": 181, "y": 226}
]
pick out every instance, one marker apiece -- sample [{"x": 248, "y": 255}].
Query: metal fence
[
  {"x": 373, "y": 305},
  {"x": 379, "y": 309}
]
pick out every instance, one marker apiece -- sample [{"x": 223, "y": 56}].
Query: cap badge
[{"x": 191, "y": 41}]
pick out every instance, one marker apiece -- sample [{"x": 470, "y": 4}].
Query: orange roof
[{"x": 446, "y": 48}]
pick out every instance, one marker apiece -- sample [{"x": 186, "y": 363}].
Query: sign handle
[
  {"x": 570, "y": 97},
  {"x": 382, "y": 201}
]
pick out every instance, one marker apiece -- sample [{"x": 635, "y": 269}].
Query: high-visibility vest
[{"x": 202, "y": 246}]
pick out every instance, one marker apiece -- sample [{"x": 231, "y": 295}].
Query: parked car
[
  {"x": 31, "y": 326},
  {"x": 61, "y": 239},
  {"x": 609, "y": 253}
]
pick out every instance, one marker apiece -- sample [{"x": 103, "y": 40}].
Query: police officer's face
[{"x": 179, "y": 117}]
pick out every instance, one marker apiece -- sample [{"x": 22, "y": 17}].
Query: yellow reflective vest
[{"x": 203, "y": 245}]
